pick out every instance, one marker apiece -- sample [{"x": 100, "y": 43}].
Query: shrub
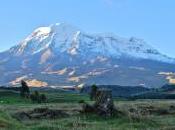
[
  {"x": 81, "y": 101},
  {"x": 43, "y": 98},
  {"x": 38, "y": 98}
]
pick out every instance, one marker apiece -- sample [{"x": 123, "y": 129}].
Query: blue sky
[{"x": 152, "y": 20}]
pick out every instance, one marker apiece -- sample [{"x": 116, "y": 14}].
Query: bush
[
  {"x": 43, "y": 98},
  {"x": 81, "y": 101},
  {"x": 38, "y": 98}
]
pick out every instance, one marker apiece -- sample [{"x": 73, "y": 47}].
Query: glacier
[{"x": 65, "y": 38}]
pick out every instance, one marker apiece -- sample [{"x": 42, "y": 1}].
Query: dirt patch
[
  {"x": 40, "y": 113},
  {"x": 3, "y": 124}
]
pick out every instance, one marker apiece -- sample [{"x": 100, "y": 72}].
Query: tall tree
[
  {"x": 24, "y": 91},
  {"x": 93, "y": 92}
]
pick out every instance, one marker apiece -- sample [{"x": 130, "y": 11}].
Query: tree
[
  {"x": 35, "y": 96},
  {"x": 93, "y": 92},
  {"x": 36, "y": 93},
  {"x": 24, "y": 90},
  {"x": 43, "y": 98},
  {"x": 38, "y": 98}
]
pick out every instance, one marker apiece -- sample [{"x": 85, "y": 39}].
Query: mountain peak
[
  {"x": 54, "y": 28},
  {"x": 63, "y": 37},
  {"x": 70, "y": 56},
  {"x": 42, "y": 31}
]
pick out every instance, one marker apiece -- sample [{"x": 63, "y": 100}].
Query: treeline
[
  {"x": 165, "y": 92},
  {"x": 153, "y": 95},
  {"x": 119, "y": 91},
  {"x": 137, "y": 92},
  {"x": 10, "y": 88}
]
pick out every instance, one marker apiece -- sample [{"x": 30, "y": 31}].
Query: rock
[
  {"x": 88, "y": 108},
  {"x": 22, "y": 116},
  {"x": 104, "y": 103},
  {"x": 41, "y": 113},
  {"x": 40, "y": 110}
]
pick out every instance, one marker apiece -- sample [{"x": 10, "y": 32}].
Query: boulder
[
  {"x": 40, "y": 113},
  {"x": 103, "y": 105}
]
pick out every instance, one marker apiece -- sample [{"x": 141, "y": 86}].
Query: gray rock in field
[
  {"x": 40, "y": 113},
  {"x": 21, "y": 116},
  {"x": 104, "y": 105}
]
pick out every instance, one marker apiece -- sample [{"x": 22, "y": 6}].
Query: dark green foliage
[
  {"x": 81, "y": 101},
  {"x": 8, "y": 96},
  {"x": 34, "y": 96},
  {"x": 43, "y": 98},
  {"x": 24, "y": 90},
  {"x": 38, "y": 98},
  {"x": 93, "y": 92}
]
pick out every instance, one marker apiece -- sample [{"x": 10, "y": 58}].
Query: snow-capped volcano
[
  {"x": 62, "y": 37},
  {"x": 58, "y": 36},
  {"x": 64, "y": 51}
]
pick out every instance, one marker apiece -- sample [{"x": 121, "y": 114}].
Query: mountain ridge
[
  {"x": 64, "y": 52},
  {"x": 69, "y": 39}
]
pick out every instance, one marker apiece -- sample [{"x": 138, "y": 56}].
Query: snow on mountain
[
  {"x": 62, "y": 54},
  {"x": 63, "y": 37}
]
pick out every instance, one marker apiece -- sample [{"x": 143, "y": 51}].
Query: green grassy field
[{"x": 136, "y": 114}]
